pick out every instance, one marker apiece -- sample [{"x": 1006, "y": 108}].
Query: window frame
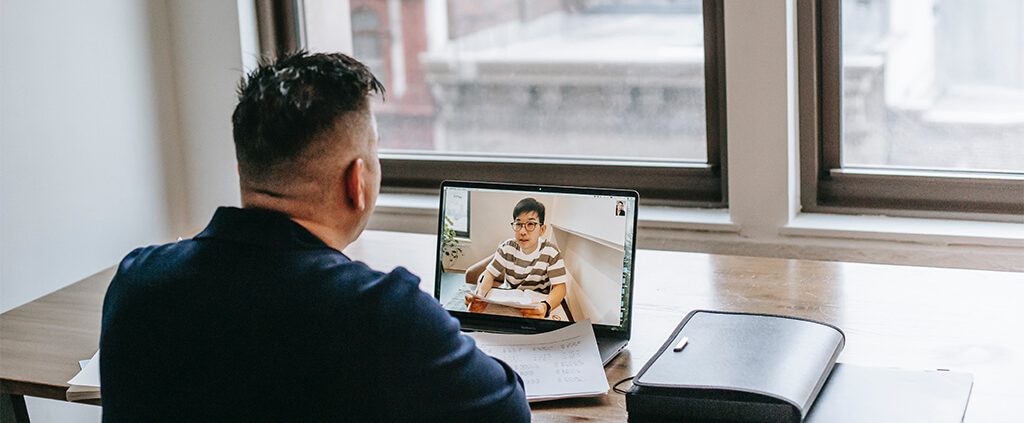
[
  {"x": 280, "y": 26},
  {"x": 658, "y": 182},
  {"x": 828, "y": 187}
]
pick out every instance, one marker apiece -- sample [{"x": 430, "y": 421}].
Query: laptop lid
[{"x": 586, "y": 243}]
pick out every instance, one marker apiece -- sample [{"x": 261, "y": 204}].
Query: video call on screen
[{"x": 589, "y": 235}]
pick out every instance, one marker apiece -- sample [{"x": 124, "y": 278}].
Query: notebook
[{"x": 583, "y": 246}]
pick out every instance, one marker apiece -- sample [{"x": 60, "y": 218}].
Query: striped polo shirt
[{"x": 536, "y": 271}]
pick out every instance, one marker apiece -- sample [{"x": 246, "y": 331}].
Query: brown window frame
[
  {"x": 668, "y": 182},
  {"x": 829, "y": 187},
  {"x": 280, "y": 26}
]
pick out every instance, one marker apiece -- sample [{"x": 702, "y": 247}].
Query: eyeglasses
[{"x": 530, "y": 226}]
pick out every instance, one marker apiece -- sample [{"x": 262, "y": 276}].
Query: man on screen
[
  {"x": 261, "y": 317},
  {"x": 526, "y": 262}
]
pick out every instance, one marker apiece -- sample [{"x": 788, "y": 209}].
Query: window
[
  {"x": 608, "y": 93},
  {"x": 912, "y": 106},
  {"x": 457, "y": 211},
  {"x": 368, "y": 41}
]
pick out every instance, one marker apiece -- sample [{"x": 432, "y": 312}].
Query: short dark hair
[
  {"x": 284, "y": 104},
  {"x": 529, "y": 204}
]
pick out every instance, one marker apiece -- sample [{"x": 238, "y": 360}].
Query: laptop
[{"x": 578, "y": 258}]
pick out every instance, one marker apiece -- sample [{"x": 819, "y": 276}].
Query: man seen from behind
[{"x": 261, "y": 317}]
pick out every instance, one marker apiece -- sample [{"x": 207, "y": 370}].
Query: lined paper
[{"x": 563, "y": 363}]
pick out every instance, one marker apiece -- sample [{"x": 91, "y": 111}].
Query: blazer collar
[{"x": 264, "y": 228}]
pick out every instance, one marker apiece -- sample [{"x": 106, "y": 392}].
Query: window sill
[
  {"x": 651, "y": 217},
  {"x": 410, "y": 204},
  {"x": 813, "y": 236},
  {"x": 691, "y": 219},
  {"x": 945, "y": 232},
  {"x": 819, "y": 225}
]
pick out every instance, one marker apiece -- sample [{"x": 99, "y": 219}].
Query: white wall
[
  {"x": 592, "y": 216},
  {"x": 114, "y": 133},
  {"x": 83, "y": 131},
  {"x": 595, "y": 289},
  {"x": 208, "y": 64},
  {"x": 590, "y": 236},
  {"x": 83, "y": 136}
]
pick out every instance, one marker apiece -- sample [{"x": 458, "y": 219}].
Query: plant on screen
[{"x": 449, "y": 244}]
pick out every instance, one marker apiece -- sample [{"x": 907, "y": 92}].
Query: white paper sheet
[
  {"x": 559, "y": 364},
  {"x": 514, "y": 298},
  {"x": 90, "y": 375}
]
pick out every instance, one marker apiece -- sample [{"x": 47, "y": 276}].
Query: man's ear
[{"x": 355, "y": 184}]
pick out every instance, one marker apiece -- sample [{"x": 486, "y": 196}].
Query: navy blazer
[{"x": 256, "y": 319}]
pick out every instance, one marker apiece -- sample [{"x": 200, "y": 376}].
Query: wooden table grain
[{"x": 893, "y": 316}]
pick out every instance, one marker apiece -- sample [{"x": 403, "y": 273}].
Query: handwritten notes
[{"x": 562, "y": 363}]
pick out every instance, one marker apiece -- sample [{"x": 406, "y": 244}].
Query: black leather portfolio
[
  {"x": 736, "y": 367},
  {"x": 740, "y": 367}
]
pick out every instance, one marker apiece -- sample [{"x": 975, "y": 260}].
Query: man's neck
[
  {"x": 334, "y": 229},
  {"x": 329, "y": 234}
]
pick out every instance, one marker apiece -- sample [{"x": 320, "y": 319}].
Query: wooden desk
[{"x": 893, "y": 316}]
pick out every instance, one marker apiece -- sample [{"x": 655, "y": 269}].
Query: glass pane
[
  {"x": 933, "y": 84},
  {"x": 457, "y": 210},
  {"x": 364, "y": 20},
  {"x": 620, "y": 79}
]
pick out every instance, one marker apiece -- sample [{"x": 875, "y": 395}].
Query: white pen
[{"x": 682, "y": 344}]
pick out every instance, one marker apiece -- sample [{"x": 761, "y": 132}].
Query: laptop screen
[{"x": 527, "y": 257}]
